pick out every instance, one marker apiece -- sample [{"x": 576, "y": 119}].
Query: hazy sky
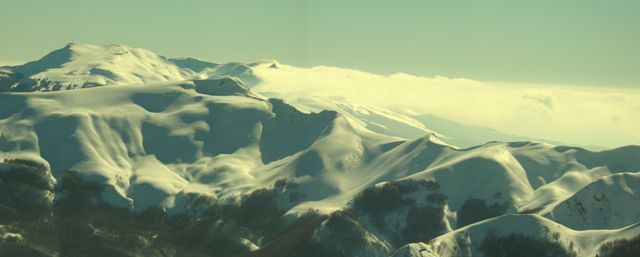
[{"x": 556, "y": 42}]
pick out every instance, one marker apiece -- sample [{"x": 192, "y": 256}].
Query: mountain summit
[{"x": 84, "y": 65}]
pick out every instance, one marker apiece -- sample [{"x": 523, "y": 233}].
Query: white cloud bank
[{"x": 572, "y": 115}]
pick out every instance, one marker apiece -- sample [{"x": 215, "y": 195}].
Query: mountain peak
[{"x": 79, "y": 65}]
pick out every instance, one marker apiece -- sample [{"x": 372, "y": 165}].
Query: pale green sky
[{"x": 583, "y": 42}]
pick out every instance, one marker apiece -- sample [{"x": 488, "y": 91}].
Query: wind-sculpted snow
[
  {"x": 197, "y": 163},
  {"x": 150, "y": 142},
  {"x": 192, "y": 146},
  {"x": 607, "y": 203}
]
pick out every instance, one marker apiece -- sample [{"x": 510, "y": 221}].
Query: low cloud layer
[{"x": 573, "y": 115}]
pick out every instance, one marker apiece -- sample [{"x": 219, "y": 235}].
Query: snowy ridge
[
  {"x": 81, "y": 66},
  {"x": 477, "y": 239},
  {"x": 304, "y": 176},
  {"x": 84, "y": 65},
  {"x": 599, "y": 204}
]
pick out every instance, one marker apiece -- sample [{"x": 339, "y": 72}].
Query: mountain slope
[
  {"x": 191, "y": 146},
  {"x": 83, "y": 65},
  {"x": 179, "y": 157},
  {"x": 599, "y": 205},
  {"x": 521, "y": 235}
]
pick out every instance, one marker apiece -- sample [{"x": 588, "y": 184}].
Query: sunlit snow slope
[
  {"x": 241, "y": 174},
  {"x": 82, "y": 66}
]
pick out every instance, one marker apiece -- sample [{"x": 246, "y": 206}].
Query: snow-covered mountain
[
  {"x": 180, "y": 157},
  {"x": 83, "y": 65},
  {"x": 607, "y": 203},
  {"x": 519, "y": 235}
]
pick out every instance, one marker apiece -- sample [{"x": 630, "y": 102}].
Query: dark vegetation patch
[
  {"x": 102, "y": 230},
  {"x": 293, "y": 239},
  {"x": 531, "y": 211},
  {"x": 436, "y": 198},
  {"x": 424, "y": 223},
  {"x": 621, "y": 248},
  {"x": 80, "y": 224},
  {"x": 346, "y": 231},
  {"x": 519, "y": 245},
  {"x": 474, "y": 210},
  {"x": 287, "y": 187},
  {"x": 154, "y": 233},
  {"x": 76, "y": 193},
  {"x": 385, "y": 198},
  {"x": 27, "y": 172},
  {"x": 258, "y": 211},
  {"x": 26, "y": 189},
  {"x": 16, "y": 249},
  {"x": 423, "y": 220},
  {"x": 260, "y": 208},
  {"x": 390, "y": 196}
]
